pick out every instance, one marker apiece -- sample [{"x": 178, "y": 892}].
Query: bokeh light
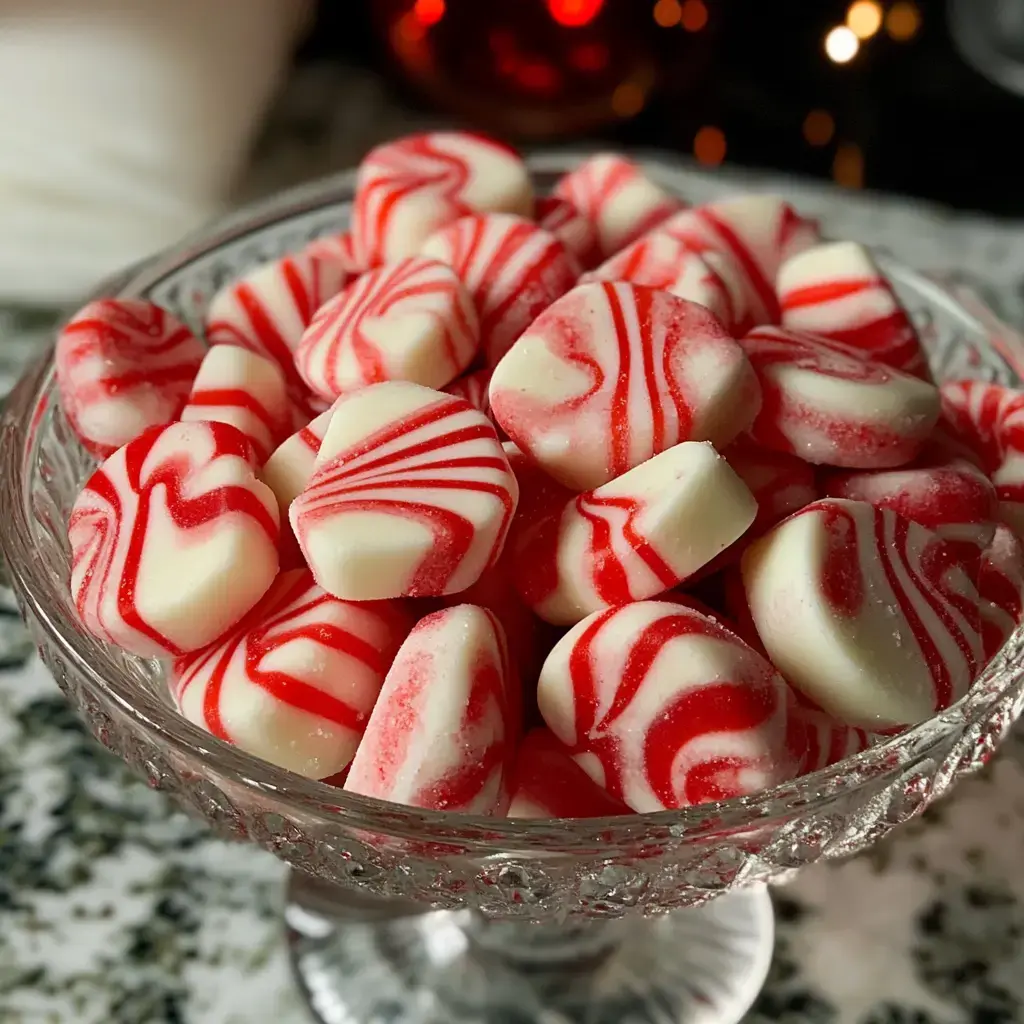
[
  {"x": 841, "y": 45},
  {"x": 575, "y": 13},
  {"x": 864, "y": 18},
  {"x": 709, "y": 145},
  {"x": 428, "y": 12},
  {"x": 667, "y": 13},
  {"x": 628, "y": 99},
  {"x": 848, "y": 166},
  {"x": 819, "y": 127},
  {"x": 903, "y": 21},
  {"x": 694, "y": 15}
]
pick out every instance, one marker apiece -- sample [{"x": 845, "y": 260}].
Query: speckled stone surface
[{"x": 117, "y": 909}]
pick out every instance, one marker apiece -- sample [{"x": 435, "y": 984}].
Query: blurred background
[{"x": 128, "y": 122}]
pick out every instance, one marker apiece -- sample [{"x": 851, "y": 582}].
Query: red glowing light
[
  {"x": 428, "y": 12},
  {"x": 574, "y": 13},
  {"x": 589, "y": 56}
]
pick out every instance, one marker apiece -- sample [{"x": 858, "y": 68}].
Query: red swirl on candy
[
  {"x": 1001, "y": 585},
  {"x": 294, "y": 682},
  {"x": 123, "y": 365},
  {"x": 666, "y": 708},
  {"x": 157, "y": 531},
  {"x": 828, "y": 740},
  {"x": 575, "y": 231}
]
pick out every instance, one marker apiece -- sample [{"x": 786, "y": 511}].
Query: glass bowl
[{"x": 396, "y": 913}]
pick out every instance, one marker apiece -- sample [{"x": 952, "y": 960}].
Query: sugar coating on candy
[
  {"x": 412, "y": 496},
  {"x": 657, "y": 260},
  {"x": 822, "y": 401},
  {"x": 781, "y": 483},
  {"x": 666, "y": 708},
  {"x": 540, "y": 495},
  {"x": 757, "y": 232},
  {"x": 410, "y": 320},
  {"x": 237, "y": 386},
  {"x": 548, "y": 783},
  {"x": 295, "y": 681},
  {"x": 408, "y": 188},
  {"x": 439, "y": 735},
  {"x": 872, "y": 616},
  {"x": 512, "y": 269},
  {"x": 615, "y": 195},
  {"x": 574, "y": 230},
  {"x": 123, "y": 365},
  {"x": 828, "y": 740},
  {"x": 289, "y": 468},
  {"x": 1001, "y": 585},
  {"x": 634, "y": 537},
  {"x": 614, "y": 373},
  {"x": 955, "y": 499},
  {"x": 837, "y": 291},
  {"x": 473, "y": 388},
  {"x": 173, "y": 540}
]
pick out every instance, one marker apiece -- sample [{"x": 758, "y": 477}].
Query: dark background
[{"x": 910, "y": 115}]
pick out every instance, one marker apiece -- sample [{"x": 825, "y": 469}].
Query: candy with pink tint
[
  {"x": 664, "y": 707},
  {"x": 1001, "y": 585},
  {"x": 410, "y": 320},
  {"x": 575, "y": 231},
  {"x": 289, "y": 468},
  {"x": 408, "y": 188},
  {"x": 173, "y": 540},
  {"x": 512, "y": 269},
  {"x": 267, "y": 309},
  {"x": 548, "y": 783},
  {"x": 660, "y": 261},
  {"x": 634, "y": 537},
  {"x": 781, "y": 483},
  {"x": 123, "y": 365},
  {"x": 828, "y": 740},
  {"x": 837, "y": 291},
  {"x": 440, "y": 734},
  {"x": 473, "y": 388},
  {"x": 340, "y": 248},
  {"x": 615, "y": 195},
  {"x": 411, "y": 496},
  {"x": 237, "y": 386},
  {"x": 758, "y": 233},
  {"x": 614, "y": 373},
  {"x": 825, "y": 403},
  {"x": 540, "y": 495},
  {"x": 295, "y": 681},
  {"x": 954, "y": 499},
  {"x": 872, "y": 616}
]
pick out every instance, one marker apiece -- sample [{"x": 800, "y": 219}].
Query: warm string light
[
  {"x": 841, "y": 45},
  {"x": 667, "y": 13},
  {"x": 693, "y": 15},
  {"x": 709, "y": 145},
  {"x": 864, "y": 18},
  {"x": 628, "y": 99},
  {"x": 819, "y": 127},
  {"x": 903, "y": 21},
  {"x": 848, "y": 166},
  {"x": 428, "y": 12},
  {"x": 575, "y": 13}
]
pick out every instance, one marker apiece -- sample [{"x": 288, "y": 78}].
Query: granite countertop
[{"x": 115, "y": 908}]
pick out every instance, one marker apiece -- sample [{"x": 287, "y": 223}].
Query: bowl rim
[{"x": 330, "y": 805}]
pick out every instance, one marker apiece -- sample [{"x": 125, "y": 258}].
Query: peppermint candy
[
  {"x": 160, "y": 527},
  {"x": 440, "y": 735},
  {"x": 781, "y": 483},
  {"x": 872, "y": 616},
  {"x": 828, "y": 741},
  {"x": 295, "y": 681},
  {"x": 825, "y": 403},
  {"x": 664, "y": 707},
  {"x": 123, "y": 365},
  {"x": 473, "y": 388},
  {"x": 410, "y": 320},
  {"x": 411, "y": 496},
  {"x": 614, "y": 373},
  {"x": 408, "y": 188},
  {"x": 339, "y": 248},
  {"x": 576, "y": 232},
  {"x": 1001, "y": 585},
  {"x": 512, "y": 269},
  {"x": 615, "y": 196},
  {"x": 838, "y": 292}
]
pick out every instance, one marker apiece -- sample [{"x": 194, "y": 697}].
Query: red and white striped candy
[
  {"x": 990, "y": 418},
  {"x": 473, "y": 388},
  {"x": 548, "y": 783},
  {"x": 613, "y": 373},
  {"x": 828, "y": 740},
  {"x": 237, "y": 386},
  {"x": 294, "y": 682},
  {"x": 441, "y": 733},
  {"x": 823, "y": 402},
  {"x": 615, "y": 195},
  {"x": 411, "y": 496},
  {"x": 666, "y": 708},
  {"x": 123, "y": 365},
  {"x": 512, "y": 268},
  {"x": 173, "y": 540},
  {"x": 341, "y": 248},
  {"x": 408, "y": 188},
  {"x": 837, "y": 291},
  {"x": 410, "y": 320},
  {"x": 660, "y": 261},
  {"x": 758, "y": 233},
  {"x": 955, "y": 499},
  {"x": 634, "y": 537},
  {"x": 267, "y": 309},
  {"x": 289, "y": 468},
  {"x": 873, "y": 617},
  {"x": 781, "y": 483},
  {"x": 1001, "y": 585},
  {"x": 575, "y": 231},
  {"x": 540, "y": 495}
]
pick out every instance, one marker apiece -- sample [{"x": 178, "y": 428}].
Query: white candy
[{"x": 289, "y": 469}]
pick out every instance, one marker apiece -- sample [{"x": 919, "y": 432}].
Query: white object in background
[{"x": 124, "y": 126}]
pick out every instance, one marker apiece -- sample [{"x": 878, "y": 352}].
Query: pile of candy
[{"x": 583, "y": 504}]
